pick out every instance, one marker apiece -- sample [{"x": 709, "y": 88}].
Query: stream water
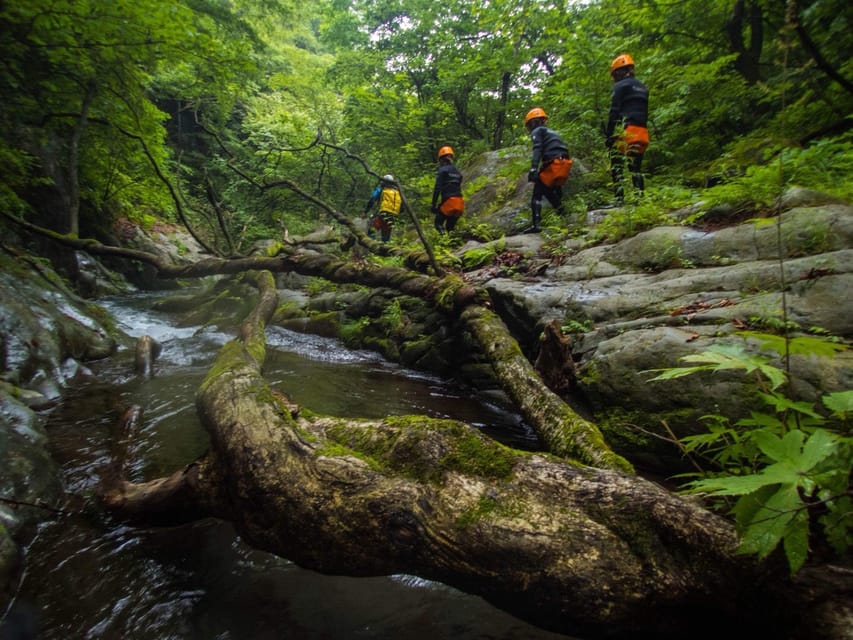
[{"x": 88, "y": 577}]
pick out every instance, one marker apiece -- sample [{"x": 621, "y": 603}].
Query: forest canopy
[{"x": 166, "y": 110}]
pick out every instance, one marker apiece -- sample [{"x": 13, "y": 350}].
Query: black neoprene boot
[{"x": 535, "y": 217}]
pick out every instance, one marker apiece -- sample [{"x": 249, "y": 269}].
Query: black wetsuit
[
  {"x": 448, "y": 183},
  {"x": 629, "y": 105},
  {"x": 547, "y": 146}
]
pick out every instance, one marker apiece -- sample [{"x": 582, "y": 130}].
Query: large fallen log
[
  {"x": 561, "y": 429},
  {"x": 596, "y": 553}
]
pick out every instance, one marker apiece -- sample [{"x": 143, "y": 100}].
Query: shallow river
[{"x": 88, "y": 577}]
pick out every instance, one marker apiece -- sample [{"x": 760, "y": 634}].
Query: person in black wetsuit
[
  {"x": 549, "y": 166},
  {"x": 627, "y": 137},
  {"x": 447, "y": 203}
]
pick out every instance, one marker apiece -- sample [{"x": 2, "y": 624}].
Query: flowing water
[{"x": 90, "y": 578}]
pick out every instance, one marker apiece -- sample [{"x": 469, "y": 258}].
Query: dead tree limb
[
  {"x": 562, "y": 430},
  {"x": 591, "y": 552}
]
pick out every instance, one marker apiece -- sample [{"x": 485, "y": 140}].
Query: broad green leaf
[
  {"x": 837, "y": 524},
  {"x": 747, "y": 506},
  {"x": 781, "y": 404},
  {"x": 774, "y": 375},
  {"x": 818, "y": 447},
  {"x": 731, "y": 485},
  {"x": 770, "y": 522},
  {"x": 834, "y": 481},
  {"x": 761, "y": 420},
  {"x": 839, "y": 402},
  {"x": 801, "y": 345},
  {"x": 796, "y": 540},
  {"x": 725, "y": 356},
  {"x": 672, "y": 374},
  {"x": 785, "y": 449}
]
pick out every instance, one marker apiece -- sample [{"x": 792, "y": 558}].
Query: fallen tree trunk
[
  {"x": 590, "y": 552},
  {"x": 561, "y": 429}
]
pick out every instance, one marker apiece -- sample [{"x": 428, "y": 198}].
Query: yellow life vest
[{"x": 390, "y": 201}]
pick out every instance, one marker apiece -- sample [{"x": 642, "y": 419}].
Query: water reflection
[
  {"x": 317, "y": 372},
  {"x": 89, "y": 578}
]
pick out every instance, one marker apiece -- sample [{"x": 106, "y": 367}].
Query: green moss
[
  {"x": 589, "y": 375},
  {"x": 333, "y": 450},
  {"x": 231, "y": 356},
  {"x": 413, "y": 351},
  {"x": 275, "y": 247},
  {"x": 809, "y": 239},
  {"x": 104, "y": 319},
  {"x": 476, "y": 455},
  {"x": 287, "y": 311},
  {"x": 489, "y": 506},
  {"x": 624, "y": 429},
  {"x": 485, "y": 507},
  {"x": 424, "y": 449},
  {"x": 320, "y": 285},
  {"x": 352, "y": 333},
  {"x": 325, "y": 324},
  {"x": 448, "y": 286}
]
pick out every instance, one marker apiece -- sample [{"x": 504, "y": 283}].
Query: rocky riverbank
[
  {"x": 626, "y": 308},
  {"x": 632, "y": 307}
]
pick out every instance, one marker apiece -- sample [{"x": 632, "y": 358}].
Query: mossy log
[
  {"x": 591, "y": 552},
  {"x": 561, "y": 429}
]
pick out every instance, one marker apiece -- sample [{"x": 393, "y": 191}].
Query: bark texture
[
  {"x": 597, "y": 553},
  {"x": 563, "y": 431}
]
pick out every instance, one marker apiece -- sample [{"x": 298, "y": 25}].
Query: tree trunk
[
  {"x": 587, "y": 551},
  {"x": 584, "y": 551},
  {"x": 500, "y": 119},
  {"x": 563, "y": 431},
  {"x": 73, "y": 195},
  {"x": 746, "y": 15}
]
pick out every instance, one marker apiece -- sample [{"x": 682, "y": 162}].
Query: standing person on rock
[
  {"x": 550, "y": 166},
  {"x": 627, "y": 137},
  {"x": 447, "y": 203},
  {"x": 387, "y": 200}
]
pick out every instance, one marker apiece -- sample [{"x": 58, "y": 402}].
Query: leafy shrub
[
  {"x": 788, "y": 467},
  {"x": 825, "y": 166}
]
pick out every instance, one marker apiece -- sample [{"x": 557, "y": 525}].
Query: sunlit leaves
[
  {"x": 725, "y": 357},
  {"x": 840, "y": 403}
]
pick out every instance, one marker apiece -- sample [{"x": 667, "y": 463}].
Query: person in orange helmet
[
  {"x": 550, "y": 166},
  {"x": 447, "y": 202},
  {"x": 627, "y": 137}
]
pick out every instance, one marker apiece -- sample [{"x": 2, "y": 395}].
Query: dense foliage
[
  {"x": 789, "y": 465},
  {"x": 196, "y": 109}
]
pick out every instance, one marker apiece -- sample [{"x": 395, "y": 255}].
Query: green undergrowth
[{"x": 784, "y": 472}]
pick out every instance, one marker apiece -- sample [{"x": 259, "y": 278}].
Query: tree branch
[{"x": 582, "y": 551}]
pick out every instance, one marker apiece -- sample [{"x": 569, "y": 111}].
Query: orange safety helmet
[
  {"x": 445, "y": 151},
  {"x": 624, "y": 60},
  {"x": 536, "y": 112}
]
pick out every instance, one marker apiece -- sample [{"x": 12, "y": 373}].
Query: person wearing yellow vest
[
  {"x": 387, "y": 199},
  {"x": 447, "y": 202},
  {"x": 627, "y": 137}
]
